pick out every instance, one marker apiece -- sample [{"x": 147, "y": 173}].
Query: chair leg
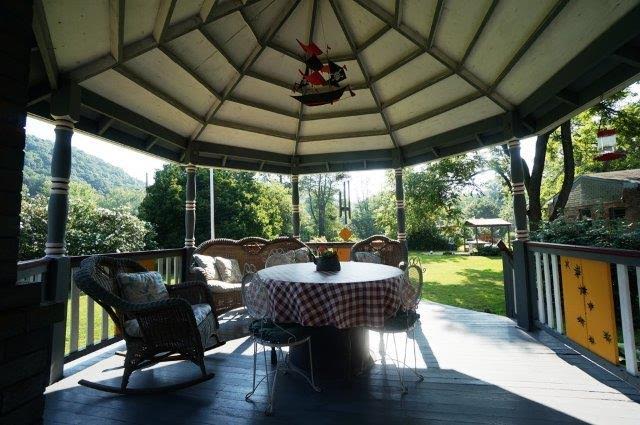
[
  {"x": 415, "y": 356},
  {"x": 270, "y": 389},
  {"x": 396, "y": 363},
  {"x": 313, "y": 381},
  {"x": 274, "y": 356},
  {"x": 255, "y": 358}
]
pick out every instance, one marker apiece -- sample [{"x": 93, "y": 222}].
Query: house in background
[{"x": 610, "y": 195}]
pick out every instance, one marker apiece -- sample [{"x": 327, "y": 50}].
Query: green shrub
[
  {"x": 427, "y": 238},
  {"x": 600, "y": 233},
  {"x": 488, "y": 251}
]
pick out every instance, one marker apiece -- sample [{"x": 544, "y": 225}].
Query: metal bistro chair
[
  {"x": 404, "y": 321},
  {"x": 270, "y": 334},
  {"x": 165, "y": 330},
  {"x": 279, "y": 257}
]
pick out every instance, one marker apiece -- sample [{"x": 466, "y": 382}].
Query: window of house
[
  {"x": 584, "y": 212},
  {"x": 615, "y": 213}
]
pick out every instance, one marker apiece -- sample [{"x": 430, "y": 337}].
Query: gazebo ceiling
[{"x": 210, "y": 81}]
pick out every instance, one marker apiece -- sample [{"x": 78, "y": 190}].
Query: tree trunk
[
  {"x": 569, "y": 171},
  {"x": 535, "y": 182}
]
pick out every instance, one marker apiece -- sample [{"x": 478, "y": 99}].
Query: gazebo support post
[
  {"x": 295, "y": 205},
  {"x": 400, "y": 213},
  {"x": 189, "y": 218},
  {"x": 65, "y": 111},
  {"x": 520, "y": 265}
]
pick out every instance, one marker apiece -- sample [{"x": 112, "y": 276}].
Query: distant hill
[{"x": 86, "y": 168}]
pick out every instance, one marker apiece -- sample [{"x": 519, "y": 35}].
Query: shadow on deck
[{"x": 478, "y": 368}]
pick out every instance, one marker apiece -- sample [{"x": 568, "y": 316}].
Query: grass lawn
[{"x": 471, "y": 282}]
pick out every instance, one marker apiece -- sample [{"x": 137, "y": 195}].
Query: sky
[{"x": 141, "y": 166}]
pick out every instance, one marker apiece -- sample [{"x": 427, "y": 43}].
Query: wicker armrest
[
  {"x": 197, "y": 274},
  {"x": 166, "y": 322},
  {"x": 194, "y": 292},
  {"x": 402, "y": 265}
]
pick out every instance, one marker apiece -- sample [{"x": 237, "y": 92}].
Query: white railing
[{"x": 625, "y": 269}]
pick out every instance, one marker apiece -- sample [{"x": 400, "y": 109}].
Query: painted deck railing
[{"x": 609, "y": 275}]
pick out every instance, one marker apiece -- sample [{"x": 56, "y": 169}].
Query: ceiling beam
[
  {"x": 479, "y": 30},
  {"x": 348, "y": 135},
  {"x": 126, "y": 116},
  {"x": 176, "y": 60},
  {"x": 219, "y": 48},
  {"x": 140, "y": 47},
  {"x": 434, "y": 23},
  {"x": 436, "y": 53},
  {"x": 116, "y": 28},
  {"x": 163, "y": 19},
  {"x": 340, "y": 114},
  {"x": 206, "y": 9},
  {"x": 628, "y": 54},
  {"x": 240, "y": 152},
  {"x": 45, "y": 46},
  {"x": 398, "y": 12},
  {"x": 417, "y": 88},
  {"x": 368, "y": 42},
  {"x": 553, "y": 13},
  {"x": 299, "y": 58},
  {"x": 159, "y": 93},
  {"x": 252, "y": 129},
  {"x": 437, "y": 111},
  {"x": 248, "y": 63},
  {"x": 312, "y": 25},
  {"x": 104, "y": 124},
  {"x": 264, "y": 106},
  {"x": 338, "y": 12},
  {"x": 396, "y": 65}
]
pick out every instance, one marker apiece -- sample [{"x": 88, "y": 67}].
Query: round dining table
[{"x": 338, "y": 308}]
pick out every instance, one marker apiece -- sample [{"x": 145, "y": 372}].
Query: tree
[
  {"x": 123, "y": 198},
  {"x": 90, "y": 229},
  {"x": 318, "y": 195},
  {"x": 245, "y": 205},
  {"x": 363, "y": 220}
]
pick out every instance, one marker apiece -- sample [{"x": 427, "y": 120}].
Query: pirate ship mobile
[{"x": 314, "y": 88}]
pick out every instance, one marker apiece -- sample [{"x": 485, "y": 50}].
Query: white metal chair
[
  {"x": 267, "y": 333},
  {"x": 404, "y": 321}
]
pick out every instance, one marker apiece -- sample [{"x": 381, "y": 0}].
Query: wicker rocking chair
[
  {"x": 388, "y": 250},
  {"x": 166, "y": 330}
]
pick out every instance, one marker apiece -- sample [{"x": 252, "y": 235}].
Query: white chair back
[
  {"x": 279, "y": 257},
  {"x": 255, "y": 296}
]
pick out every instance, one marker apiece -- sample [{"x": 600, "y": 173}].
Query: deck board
[{"x": 478, "y": 367}]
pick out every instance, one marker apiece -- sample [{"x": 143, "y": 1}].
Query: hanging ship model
[{"x": 320, "y": 83}]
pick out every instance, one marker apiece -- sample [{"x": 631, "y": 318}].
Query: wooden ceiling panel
[
  {"x": 387, "y": 50},
  {"x": 360, "y": 123},
  {"x": 126, "y": 93},
  {"x": 346, "y": 145},
  {"x": 234, "y": 36},
  {"x": 245, "y": 139},
  {"x": 418, "y": 72},
  {"x": 461, "y": 116}
]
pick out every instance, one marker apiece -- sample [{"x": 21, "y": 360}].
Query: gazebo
[
  {"x": 491, "y": 224},
  {"x": 207, "y": 83}
]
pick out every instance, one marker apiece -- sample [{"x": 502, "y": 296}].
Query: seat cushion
[
  {"x": 218, "y": 286},
  {"x": 142, "y": 287},
  {"x": 282, "y": 333},
  {"x": 229, "y": 270},
  {"x": 401, "y": 321},
  {"x": 368, "y": 257},
  {"x": 200, "y": 312},
  {"x": 208, "y": 265}
]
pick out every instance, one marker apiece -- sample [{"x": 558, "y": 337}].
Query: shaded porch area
[{"x": 478, "y": 368}]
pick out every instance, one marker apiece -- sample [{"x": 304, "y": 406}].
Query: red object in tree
[
  {"x": 606, "y": 132},
  {"x": 610, "y": 156},
  {"x": 311, "y": 49}
]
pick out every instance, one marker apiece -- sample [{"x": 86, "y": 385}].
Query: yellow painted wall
[{"x": 588, "y": 306}]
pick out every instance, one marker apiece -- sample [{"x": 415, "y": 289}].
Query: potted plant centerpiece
[{"x": 327, "y": 260}]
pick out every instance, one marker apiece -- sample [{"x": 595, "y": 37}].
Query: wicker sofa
[{"x": 251, "y": 254}]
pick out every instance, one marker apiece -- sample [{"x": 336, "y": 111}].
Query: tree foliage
[
  {"x": 90, "y": 228},
  {"x": 318, "y": 195},
  {"x": 245, "y": 205}
]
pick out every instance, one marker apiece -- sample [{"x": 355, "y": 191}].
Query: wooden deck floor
[{"x": 479, "y": 368}]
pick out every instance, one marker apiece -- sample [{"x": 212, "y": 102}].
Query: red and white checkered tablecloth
[{"x": 361, "y": 294}]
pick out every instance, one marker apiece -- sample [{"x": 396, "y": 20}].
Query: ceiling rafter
[
  {"x": 45, "y": 46},
  {"x": 396, "y": 65},
  {"x": 312, "y": 25},
  {"x": 103, "y": 124},
  {"x": 247, "y": 65},
  {"x": 158, "y": 93},
  {"x": 436, "y": 53},
  {"x": 343, "y": 135},
  {"x": 434, "y": 23},
  {"x": 207, "y": 8},
  {"x": 219, "y": 48},
  {"x": 417, "y": 88},
  {"x": 140, "y": 47},
  {"x": 116, "y": 28},
  {"x": 397, "y": 17},
  {"x": 176, "y": 60},
  {"x": 263, "y": 106},
  {"x": 378, "y": 34},
  {"x": 340, "y": 114},
  {"x": 553, "y": 13},
  {"x": 299, "y": 58},
  {"x": 163, "y": 19},
  {"x": 479, "y": 30},
  {"x": 252, "y": 129},
  {"x": 350, "y": 40},
  {"x": 437, "y": 111}
]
